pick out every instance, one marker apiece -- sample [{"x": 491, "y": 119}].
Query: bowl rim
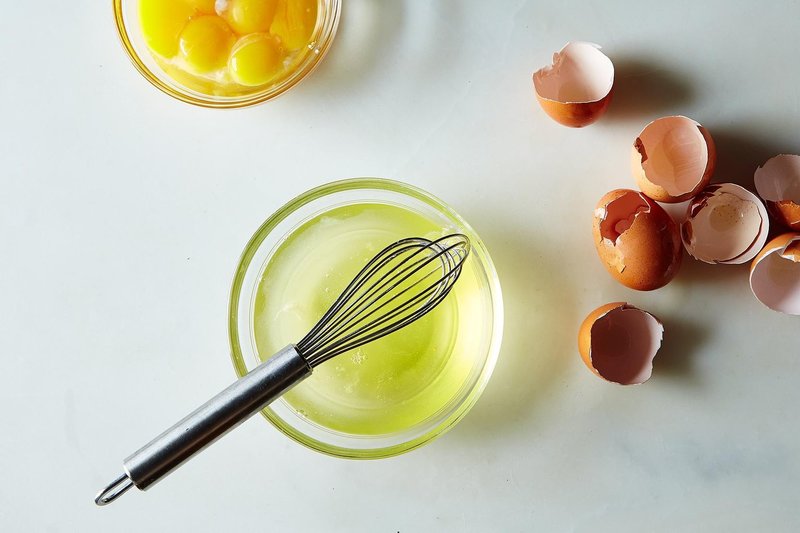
[
  {"x": 209, "y": 101},
  {"x": 493, "y": 284}
]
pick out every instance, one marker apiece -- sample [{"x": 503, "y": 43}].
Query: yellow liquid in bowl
[
  {"x": 228, "y": 47},
  {"x": 391, "y": 384}
]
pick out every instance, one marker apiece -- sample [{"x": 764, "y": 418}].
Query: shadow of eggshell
[
  {"x": 618, "y": 342},
  {"x": 576, "y": 89},
  {"x": 637, "y": 241},
  {"x": 725, "y": 224},
  {"x": 775, "y": 274},
  {"x": 673, "y": 158},
  {"x": 778, "y": 182},
  {"x": 645, "y": 86}
]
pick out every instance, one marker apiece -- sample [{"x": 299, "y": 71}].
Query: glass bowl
[
  {"x": 126, "y": 14},
  {"x": 480, "y": 351}
]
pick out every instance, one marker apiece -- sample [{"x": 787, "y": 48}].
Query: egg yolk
[
  {"x": 294, "y": 22},
  {"x": 223, "y": 46},
  {"x": 250, "y": 16},
  {"x": 205, "y": 42},
  {"x": 203, "y": 6},
  {"x": 255, "y": 59},
  {"x": 162, "y": 22}
]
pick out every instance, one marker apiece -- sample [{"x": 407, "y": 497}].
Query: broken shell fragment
[
  {"x": 775, "y": 274},
  {"x": 618, "y": 342},
  {"x": 576, "y": 89},
  {"x": 725, "y": 223},
  {"x": 673, "y": 158},
  {"x": 778, "y": 183},
  {"x": 637, "y": 241}
]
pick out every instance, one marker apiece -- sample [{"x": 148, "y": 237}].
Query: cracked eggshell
[
  {"x": 576, "y": 89},
  {"x": 778, "y": 183},
  {"x": 618, "y": 342},
  {"x": 637, "y": 241},
  {"x": 775, "y": 274},
  {"x": 673, "y": 158},
  {"x": 725, "y": 224}
]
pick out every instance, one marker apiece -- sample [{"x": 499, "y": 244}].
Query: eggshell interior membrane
[
  {"x": 779, "y": 179},
  {"x": 775, "y": 274},
  {"x": 725, "y": 224},
  {"x": 580, "y": 73},
  {"x": 620, "y": 214},
  {"x": 778, "y": 182},
  {"x": 673, "y": 152},
  {"x": 624, "y": 342}
]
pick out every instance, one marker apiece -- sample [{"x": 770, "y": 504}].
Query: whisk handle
[{"x": 209, "y": 422}]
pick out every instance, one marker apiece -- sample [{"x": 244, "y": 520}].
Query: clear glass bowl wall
[{"x": 483, "y": 353}]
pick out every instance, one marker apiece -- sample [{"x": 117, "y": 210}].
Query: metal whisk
[{"x": 403, "y": 282}]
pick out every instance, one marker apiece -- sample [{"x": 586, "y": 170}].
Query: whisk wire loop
[
  {"x": 363, "y": 301},
  {"x": 373, "y": 304},
  {"x": 420, "y": 296},
  {"x": 325, "y": 324},
  {"x": 385, "y": 331}
]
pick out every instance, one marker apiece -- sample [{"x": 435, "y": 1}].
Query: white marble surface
[{"x": 122, "y": 214}]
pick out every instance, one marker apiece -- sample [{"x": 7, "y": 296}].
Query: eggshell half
[
  {"x": 576, "y": 89},
  {"x": 637, "y": 241},
  {"x": 618, "y": 342},
  {"x": 775, "y": 274},
  {"x": 726, "y": 224},
  {"x": 778, "y": 183},
  {"x": 673, "y": 158}
]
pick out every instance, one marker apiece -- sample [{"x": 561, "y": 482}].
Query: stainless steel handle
[{"x": 209, "y": 422}]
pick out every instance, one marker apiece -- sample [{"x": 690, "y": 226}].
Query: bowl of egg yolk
[{"x": 226, "y": 53}]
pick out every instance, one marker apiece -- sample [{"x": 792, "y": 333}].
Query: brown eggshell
[
  {"x": 778, "y": 183},
  {"x": 775, "y": 274},
  {"x": 637, "y": 241},
  {"x": 618, "y": 342},
  {"x": 575, "y": 115},
  {"x": 576, "y": 89},
  {"x": 673, "y": 158}
]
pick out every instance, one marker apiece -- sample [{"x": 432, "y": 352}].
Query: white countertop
[{"x": 123, "y": 213}]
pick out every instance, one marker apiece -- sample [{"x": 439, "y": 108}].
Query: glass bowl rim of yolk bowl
[
  {"x": 126, "y": 16},
  {"x": 482, "y": 356}
]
